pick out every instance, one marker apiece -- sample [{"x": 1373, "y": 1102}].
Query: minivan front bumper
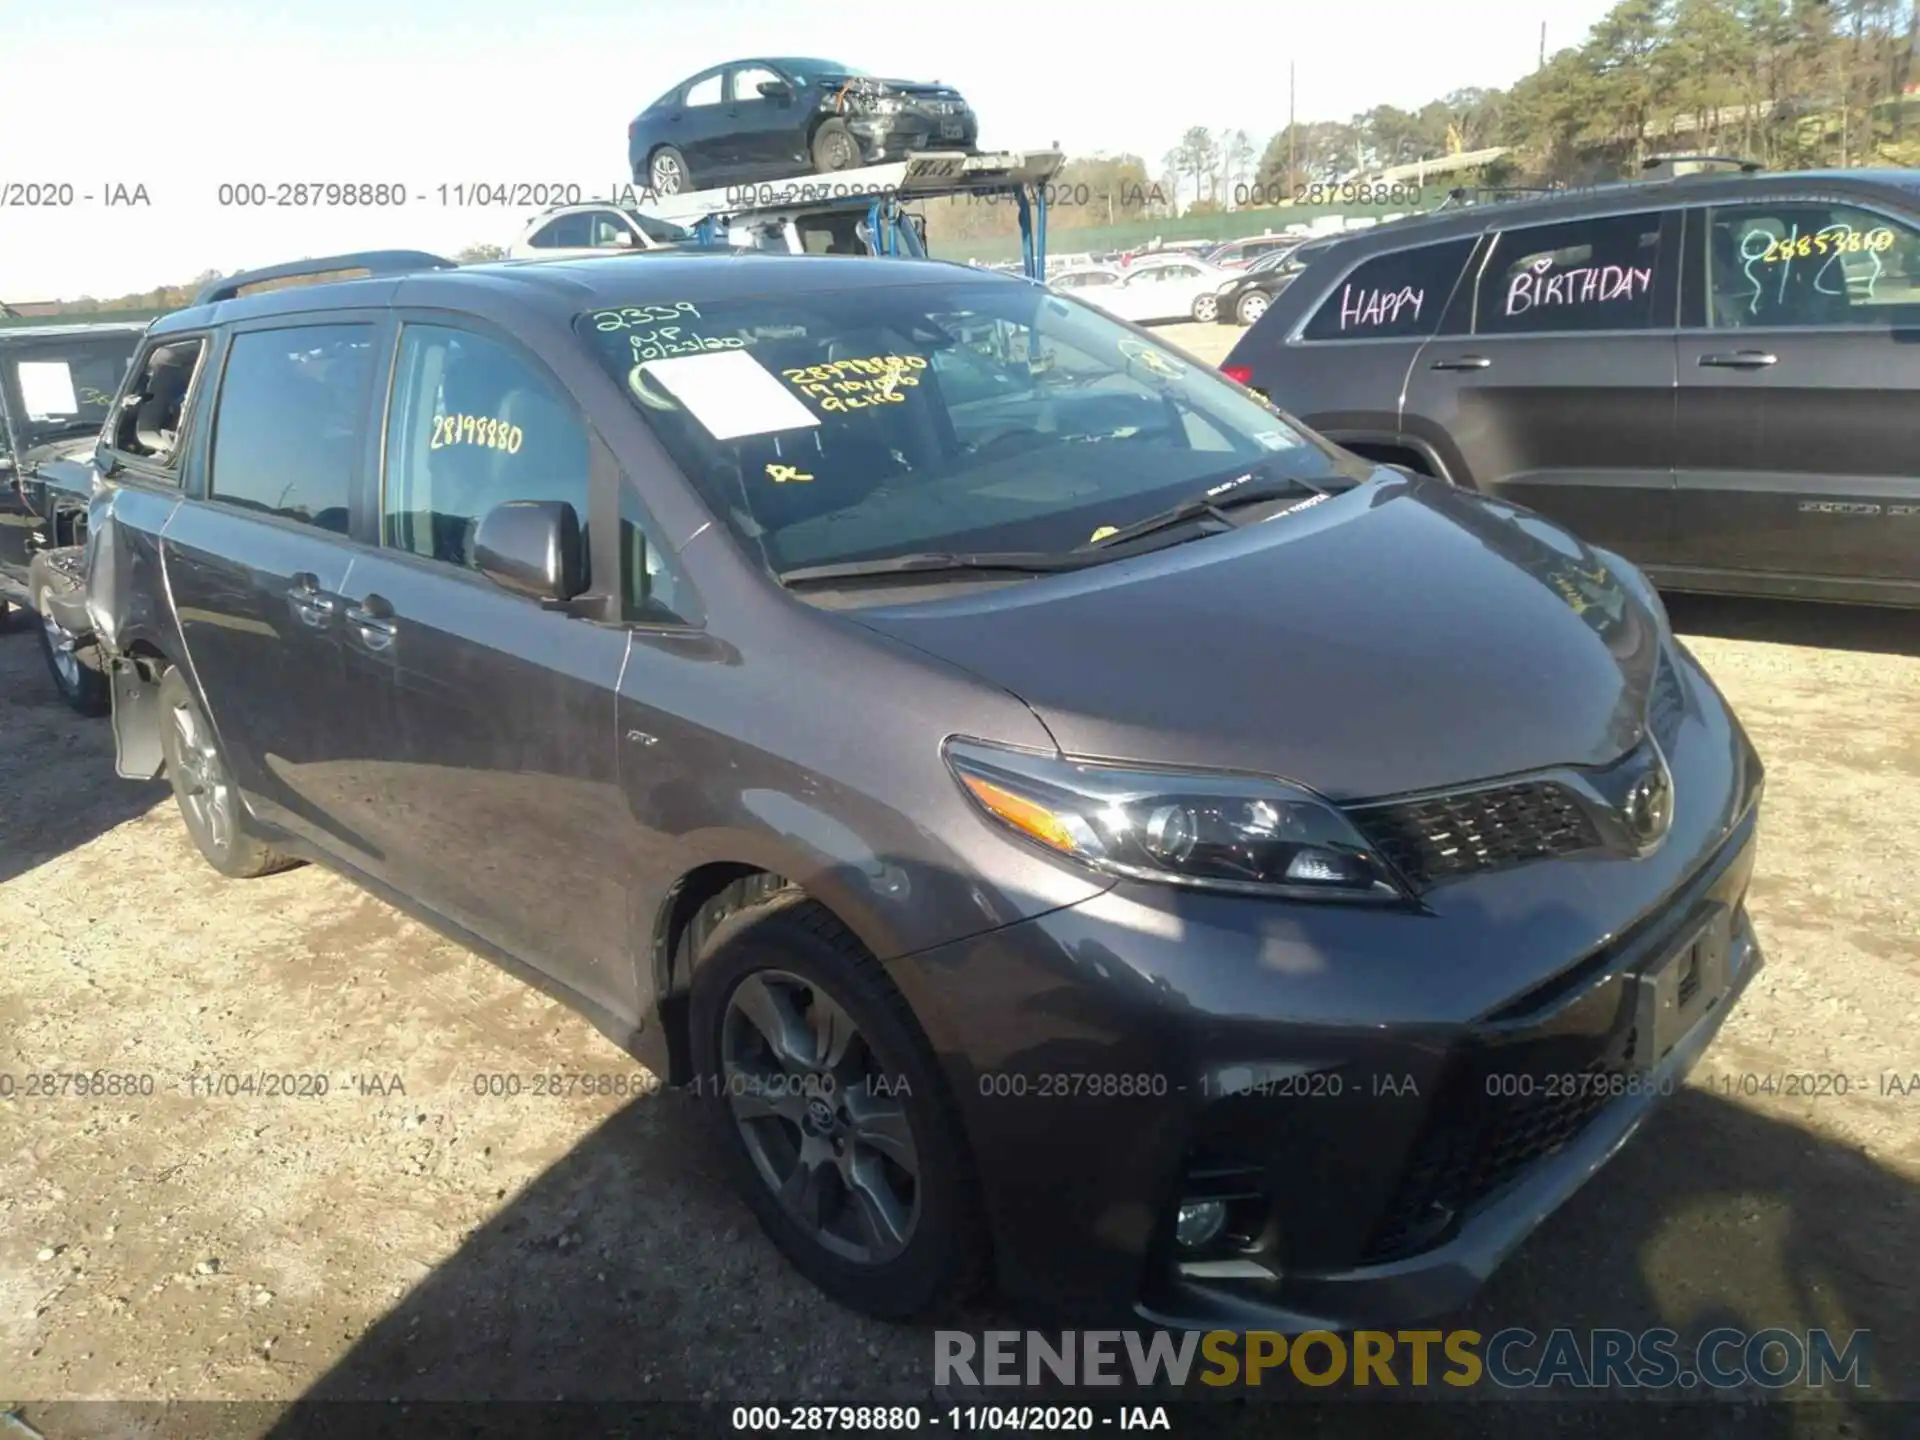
[{"x": 1388, "y": 1103}]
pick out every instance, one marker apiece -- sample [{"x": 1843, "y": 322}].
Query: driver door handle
[
  {"x": 1741, "y": 360},
  {"x": 314, "y": 606},
  {"x": 1464, "y": 362}
]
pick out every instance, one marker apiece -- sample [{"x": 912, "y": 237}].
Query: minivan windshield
[{"x": 842, "y": 425}]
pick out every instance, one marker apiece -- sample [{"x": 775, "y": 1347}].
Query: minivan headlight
[{"x": 1206, "y": 829}]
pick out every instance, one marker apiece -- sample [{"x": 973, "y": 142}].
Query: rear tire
[
  {"x": 842, "y": 1140},
  {"x": 1206, "y": 309},
  {"x": 667, "y": 172},
  {"x": 834, "y": 148},
  {"x": 203, "y": 787}
]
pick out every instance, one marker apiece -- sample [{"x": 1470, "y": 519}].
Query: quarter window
[
  {"x": 1807, "y": 263},
  {"x": 1580, "y": 275},
  {"x": 149, "y": 422},
  {"x": 473, "y": 425},
  {"x": 288, "y": 435},
  {"x": 1391, "y": 296}
]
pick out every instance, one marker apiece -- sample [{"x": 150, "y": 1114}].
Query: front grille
[
  {"x": 1437, "y": 837},
  {"x": 1477, "y": 1142}
]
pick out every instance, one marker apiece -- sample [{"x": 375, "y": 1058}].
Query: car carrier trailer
[{"x": 872, "y": 198}]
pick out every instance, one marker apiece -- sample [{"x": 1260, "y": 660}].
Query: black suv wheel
[
  {"x": 203, "y": 787},
  {"x": 73, "y": 660},
  {"x": 834, "y": 1116}
]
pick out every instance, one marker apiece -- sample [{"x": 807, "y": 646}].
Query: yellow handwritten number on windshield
[{"x": 781, "y": 474}]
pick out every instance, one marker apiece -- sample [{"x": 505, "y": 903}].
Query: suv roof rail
[
  {"x": 1671, "y": 167},
  {"x": 374, "y": 262}
]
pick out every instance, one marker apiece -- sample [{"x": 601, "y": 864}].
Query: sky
[{"x": 180, "y": 100}]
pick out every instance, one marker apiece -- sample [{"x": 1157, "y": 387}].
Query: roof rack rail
[
  {"x": 1672, "y": 167},
  {"x": 374, "y": 262}
]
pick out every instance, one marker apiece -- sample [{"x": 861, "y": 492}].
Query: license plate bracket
[
  {"x": 951, "y": 129},
  {"x": 1676, "y": 991}
]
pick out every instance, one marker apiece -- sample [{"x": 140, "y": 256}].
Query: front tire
[
  {"x": 203, "y": 787},
  {"x": 1251, "y": 307},
  {"x": 834, "y": 148},
  {"x": 835, "y": 1118},
  {"x": 74, "y": 663}
]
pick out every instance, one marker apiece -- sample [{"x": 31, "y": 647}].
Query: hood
[
  {"x": 917, "y": 89},
  {"x": 60, "y": 453},
  {"x": 1402, "y": 636}
]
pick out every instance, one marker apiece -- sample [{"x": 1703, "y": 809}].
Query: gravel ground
[{"x": 406, "y": 1235}]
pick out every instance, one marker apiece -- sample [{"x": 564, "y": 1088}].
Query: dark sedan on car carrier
[{"x": 1065, "y": 821}]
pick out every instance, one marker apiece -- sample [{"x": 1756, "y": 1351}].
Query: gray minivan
[{"x": 1065, "y": 822}]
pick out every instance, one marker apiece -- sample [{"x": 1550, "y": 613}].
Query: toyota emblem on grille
[{"x": 1648, "y": 807}]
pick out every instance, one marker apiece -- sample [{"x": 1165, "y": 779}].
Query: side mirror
[
  {"x": 625, "y": 239},
  {"x": 533, "y": 548},
  {"x": 776, "y": 90}
]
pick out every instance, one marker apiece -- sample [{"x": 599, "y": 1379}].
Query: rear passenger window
[
  {"x": 474, "y": 424},
  {"x": 1391, "y": 296},
  {"x": 148, "y": 425},
  {"x": 1806, "y": 263},
  {"x": 1579, "y": 275},
  {"x": 291, "y": 425}
]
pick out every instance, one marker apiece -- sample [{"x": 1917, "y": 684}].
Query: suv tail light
[{"x": 1239, "y": 374}]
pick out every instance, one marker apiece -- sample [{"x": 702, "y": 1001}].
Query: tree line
[{"x": 1792, "y": 84}]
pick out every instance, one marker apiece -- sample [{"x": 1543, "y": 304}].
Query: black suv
[
  {"x": 1714, "y": 375},
  {"x": 57, "y": 383}
]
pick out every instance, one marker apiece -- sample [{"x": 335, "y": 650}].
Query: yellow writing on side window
[
  {"x": 481, "y": 430},
  {"x": 1835, "y": 240}
]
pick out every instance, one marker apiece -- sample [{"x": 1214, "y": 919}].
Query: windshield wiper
[
  {"x": 1212, "y": 504},
  {"x": 1011, "y": 562}
]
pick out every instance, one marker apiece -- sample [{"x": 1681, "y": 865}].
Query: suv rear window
[
  {"x": 1398, "y": 294},
  {"x": 855, "y": 424}
]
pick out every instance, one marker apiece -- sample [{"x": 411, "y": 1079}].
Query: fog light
[{"x": 1199, "y": 1225}]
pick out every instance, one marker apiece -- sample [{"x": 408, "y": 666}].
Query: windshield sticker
[
  {"x": 1158, "y": 361},
  {"x": 784, "y": 474},
  {"x": 846, "y": 385},
  {"x": 670, "y": 340},
  {"x": 631, "y": 317},
  {"x": 46, "y": 386},
  {"x": 482, "y": 430},
  {"x": 1363, "y": 306},
  {"x": 729, "y": 392},
  {"x": 1582, "y": 285}
]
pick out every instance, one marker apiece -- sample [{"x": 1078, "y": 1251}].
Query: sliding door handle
[
  {"x": 1464, "y": 362},
  {"x": 1740, "y": 360}
]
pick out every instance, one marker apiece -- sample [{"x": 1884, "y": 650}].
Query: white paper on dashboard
[
  {"x": 731, "y": 394},
  {"x": 46, "y": 386}
]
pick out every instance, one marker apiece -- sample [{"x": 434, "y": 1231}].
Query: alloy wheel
[
  {"x": 205, "y": 791},
  {"x": 60, "y": 644},
  {"x": 826, "y": 1130},
  {"x": 1205, "y": 308},
  {"x": 667, "y": 175}
]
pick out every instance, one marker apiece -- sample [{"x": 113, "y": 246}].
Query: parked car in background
[
  {"x": 1712, "y": 374},
  {"x": 1159, "y": 288},
  {"x": 761, "y": 120},
  {"x": 1077, "y": 278},
  {"x": 818, "y": 701},
  {"x": 577, "y": 230},
  {"x": 1236, "y": 254},
  {"x": 57, "y": 384},
  {"x": 1244, "y": 298}
]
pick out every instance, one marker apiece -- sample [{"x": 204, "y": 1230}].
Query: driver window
[
  {"x": 609, "y": 231},
  {"x": 150, "y": 418},
  {"x": 473, "y": 425},
  {"x": 747, "y": 82},
  {"x": 1810, "y": 264}
]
